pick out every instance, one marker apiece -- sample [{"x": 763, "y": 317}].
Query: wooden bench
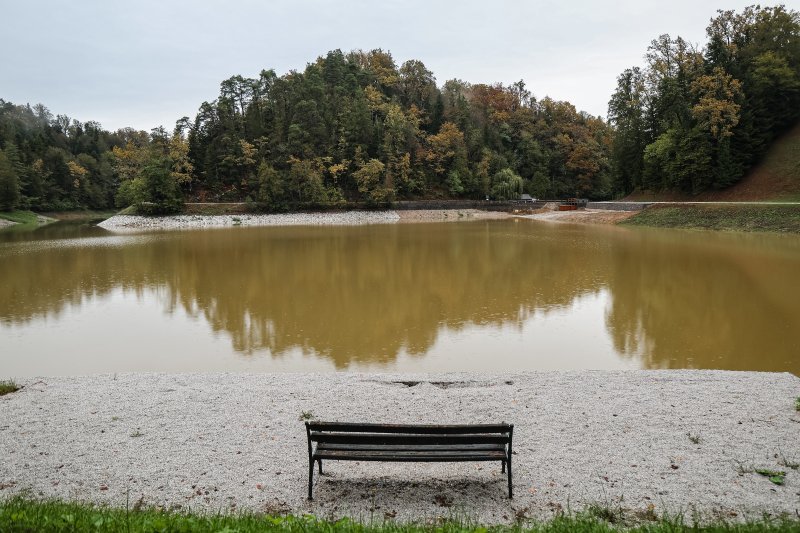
[{"x": 343, "y": 441}]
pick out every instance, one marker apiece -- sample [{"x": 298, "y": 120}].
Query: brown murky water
[{"x": 477, "y": 296}]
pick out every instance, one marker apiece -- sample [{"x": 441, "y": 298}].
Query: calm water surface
[{"x": 478, "y": 296}]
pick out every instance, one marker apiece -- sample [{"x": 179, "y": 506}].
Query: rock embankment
[{"x": 347, "y": 218}]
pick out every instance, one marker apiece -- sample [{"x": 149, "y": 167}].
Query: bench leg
[
  {"x": 320, "y": 465},
  {"x": 310, "y": 478},
  {"x": 510, "y": 490},
  {"x": 503, "y": 471}
]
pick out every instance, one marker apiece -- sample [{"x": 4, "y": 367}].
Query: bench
[{"x": 344, "y": 441}]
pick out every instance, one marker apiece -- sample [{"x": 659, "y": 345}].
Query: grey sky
[{"x": 145, "y": 62}]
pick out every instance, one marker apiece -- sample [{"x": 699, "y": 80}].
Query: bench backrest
[{"x": 408, "y": 434}]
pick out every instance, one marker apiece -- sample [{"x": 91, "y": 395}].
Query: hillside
[{"x": 776, "y": 178}]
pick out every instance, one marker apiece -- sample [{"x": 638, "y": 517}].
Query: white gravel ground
[
  {"x": 234, "y": 441},
  {"x": 125, "y": 223},
  {"x": 347, "y": 218}
]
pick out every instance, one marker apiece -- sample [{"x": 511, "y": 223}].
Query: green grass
[
  {"x": 771, "y": 218},
  {"x": 776, "y": 476},
  {"x": 20, "y": 217},
  {"x": 797, "y": 404},
  {"x": 781, "y": 167},
  {"x": 24, "y": 515},
  {"x": 8, "y": 386}
]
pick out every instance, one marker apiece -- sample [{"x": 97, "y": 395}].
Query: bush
[
  {"x": 131, "y": 192},
  {"x": 506, "y": 185}
]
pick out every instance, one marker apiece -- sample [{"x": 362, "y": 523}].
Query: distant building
[{"x": 526, "y": 198}]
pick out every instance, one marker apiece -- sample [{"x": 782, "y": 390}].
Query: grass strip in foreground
[
  {"x": 24, "y": 515},
  {"x": 729, "y": 217}
]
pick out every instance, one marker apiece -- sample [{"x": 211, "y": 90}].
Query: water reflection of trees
[
  {"x": 700, "y": 300},
  {"x": 365, "y": 294},
  {"x": 348, "y": 294}
]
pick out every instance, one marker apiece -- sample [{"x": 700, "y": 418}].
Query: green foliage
[
  {"x": 369, "y": 178},
  {"x": 453, "y": 182},
  {"x": 160, "y": 189},
  {"x": 9, "y": 184},
  {"x": 271, "y": 189},
  {"x": 316, "y": 137},
  {"x": 21, "y": 515},
  {"x": 8, "y": 386},
  {"x": 695, "y": 120},
  {"x": 21, "y": 217},
  {"x": 324, "y": 130},
  {"x": 776, "y": 476},
  {"x": 506, "y": 185},
  {"x": 131, "y": 192}
]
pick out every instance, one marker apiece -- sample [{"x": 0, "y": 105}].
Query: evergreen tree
[{"x": 9, "y": 184}]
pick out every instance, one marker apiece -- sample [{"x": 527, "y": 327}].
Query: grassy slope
[
  {"x": 21, "y": 217},
  {"x": 26, "y": 515},
  {"x": 776, "y": 178},
  {"x": 773, "y": 218}
]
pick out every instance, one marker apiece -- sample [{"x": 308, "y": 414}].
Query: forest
[
  {"x": 696, "y": 119},
  {"x": 357, "y": 128}
]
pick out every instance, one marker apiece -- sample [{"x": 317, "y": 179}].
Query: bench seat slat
[
  {"x": 401, "y": 447},
  {"x": 430, "y": 456},
  {"x": 431, "y": 429},
  {"x": 405, "y": 438}
]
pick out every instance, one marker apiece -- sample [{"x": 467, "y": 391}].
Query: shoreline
[
  {"x": 669, "y": 441},
  {"x": 582, "y": 216},
  {"x": 124, "y": 223}
]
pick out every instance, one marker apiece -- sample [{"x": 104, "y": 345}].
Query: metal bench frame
[{"x": 345, "y": 441}]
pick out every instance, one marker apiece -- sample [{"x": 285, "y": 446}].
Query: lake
[{"x": 493, "y": 296}]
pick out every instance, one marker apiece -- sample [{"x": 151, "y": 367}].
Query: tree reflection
[
  {"x": 348, "y": 294},
  {"x": 702, "y": 300},
  {"x": 367, "y": 294}
]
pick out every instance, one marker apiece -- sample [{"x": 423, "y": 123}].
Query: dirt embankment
[
  {"x": 775, "y": 178},
  {"x": 550, "y": 213}
]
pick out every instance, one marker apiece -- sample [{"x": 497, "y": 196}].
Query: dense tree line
[
  {"x": 697, "y": 119},
  {"x": 49, "y": 162},
  {"x": 350, "y": 127},
  {"x": 57, "y": 163},
  {"x": 358, "y": 127}
]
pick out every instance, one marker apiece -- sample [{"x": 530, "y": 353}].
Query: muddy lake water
[{"x": 486, "y": 296}]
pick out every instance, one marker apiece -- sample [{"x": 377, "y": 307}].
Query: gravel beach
[
  {"x": 642, "y": 441},
  {"x": 582, "y": 216},
  {"x": 123, "y": 223}
]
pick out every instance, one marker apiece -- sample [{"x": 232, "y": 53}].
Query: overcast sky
[{"x": 145, "y": 63}]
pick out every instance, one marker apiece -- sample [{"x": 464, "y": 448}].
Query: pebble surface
[
  {"x": 347, "y": 218},
  {"x": 643, "y": 441}
]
